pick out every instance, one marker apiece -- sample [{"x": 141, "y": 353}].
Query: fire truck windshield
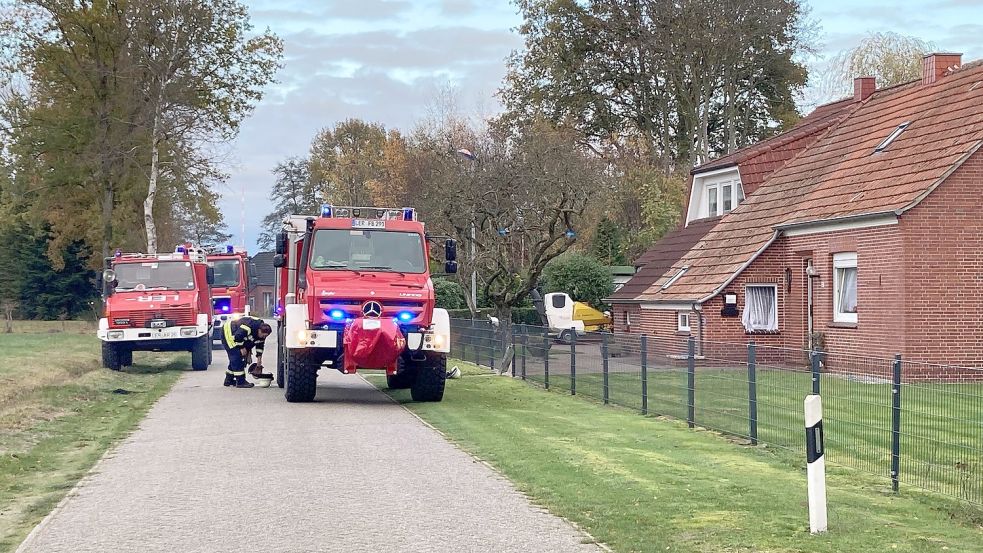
[
  {"x": 154, "y": 275},
  {"x": 226, "y": 273},
  {"x": 368, "y": 250}
]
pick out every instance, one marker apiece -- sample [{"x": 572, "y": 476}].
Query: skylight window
[
  {"x": 890, "y": 138},
  {"x": 675, "y": 277}
]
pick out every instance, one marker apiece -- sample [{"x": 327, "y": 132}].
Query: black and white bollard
[{"x": 816, "y": 467}]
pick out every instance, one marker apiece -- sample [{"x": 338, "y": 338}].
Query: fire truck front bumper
[{"x": 107, "y": 334}]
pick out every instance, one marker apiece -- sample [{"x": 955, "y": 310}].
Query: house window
[
  {"x": 760, "y": 308},
  {"x": 627, "y": 319},
  {"x": 891, "y": 137},
  {"x": 682, "y": 320},
  {"x": 726, "y": 191},
  {"x": 712, "y": 201},
  {"x": 675, "y": 277},
  {"x": 845, "y": 287}
]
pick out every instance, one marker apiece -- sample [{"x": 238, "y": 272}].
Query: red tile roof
[
  {"x": 661, "y": 256},
  {"x": 759, "y": 160},
  {"x": 841, "y": 176}
]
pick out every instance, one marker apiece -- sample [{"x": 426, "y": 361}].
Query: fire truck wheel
[
  {"x": 404, "y": 378},
  {"x": 201, "y": 353},
  {"x": 301, "y": 377},
  {"x": 111, "y": 358},
  {"x": 126, "y": 358},
  {"x": 280, "y": 355},
  {"x": 430, "y": 379}
]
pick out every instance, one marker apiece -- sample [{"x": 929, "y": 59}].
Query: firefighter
[{"x": 240, "y": 337}]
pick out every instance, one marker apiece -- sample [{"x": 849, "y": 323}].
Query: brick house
[
  {"x": 868, "y": 240},
  {"x": 261, "y": 287}
]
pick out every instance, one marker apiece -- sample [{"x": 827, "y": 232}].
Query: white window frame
[
  {"x": 729, "y": 186},
  {"x": 843, "y": 260},
  {"x": 774, "y": 309},
  {"x": 627, "y": 318},
  {"x": 680, "y": 316},
  {"x": 711, "y": 211}
]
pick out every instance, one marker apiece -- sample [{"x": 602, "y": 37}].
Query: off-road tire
[
  {"x": 201, "y": 352},
  {"x": 301, "y": 377},
  {"x": 281, "y": 355},
  {"x": 126, "y": 357},
  {"x": 404, "y": 378},
  {"x": 111, "y": 358},
  {"x": 431, "y": 376}
]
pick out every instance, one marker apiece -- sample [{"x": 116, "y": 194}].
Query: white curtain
[
  {"x": 759, "y": 309},
  {"x": 848, "y": 289}
]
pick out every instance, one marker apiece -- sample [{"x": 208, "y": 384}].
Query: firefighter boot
[
  {"x": 230, "y": 379},
  {"x": 242, "y": 383}
]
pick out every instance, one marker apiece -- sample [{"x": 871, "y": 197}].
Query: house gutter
[
  {"x": 804, "y": 225},
  {"x": 741, "y": 269}
]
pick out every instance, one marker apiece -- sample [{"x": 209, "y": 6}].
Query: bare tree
[{"x": 890, "y": 58}]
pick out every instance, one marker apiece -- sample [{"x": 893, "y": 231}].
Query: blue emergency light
[
  {"x": 336, "y": 314},
  {"x": 118, "y": 253},
  {"x": 180, "y": 249},
  {"x": 229, "y": 249},
  {"x": 326, "y": 210},
  {"x": 405, "y": 316},
  {"x": 408, "y": 213}
]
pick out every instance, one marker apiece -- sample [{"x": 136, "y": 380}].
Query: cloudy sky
[{"x": 383, "y": 60}]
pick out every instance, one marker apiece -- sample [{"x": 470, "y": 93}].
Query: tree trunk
[
  {"x": 504, "y": 315},
  {"x": 148, "y": 204}
]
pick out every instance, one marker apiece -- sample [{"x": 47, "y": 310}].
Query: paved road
[{"x": 219, "y": 470}]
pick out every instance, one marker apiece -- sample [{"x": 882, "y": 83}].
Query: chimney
[
  {"x": 863, "y": 87},
  {"x": 934, "y": 66}
]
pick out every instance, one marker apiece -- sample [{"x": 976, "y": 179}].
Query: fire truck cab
[
  {"x": 156, "y": 302},
  {"x": 354, "y": 292},
  {"x": 230, "y": 290}
]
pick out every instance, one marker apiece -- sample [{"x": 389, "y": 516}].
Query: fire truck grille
[{"x": 176, "y": 316}]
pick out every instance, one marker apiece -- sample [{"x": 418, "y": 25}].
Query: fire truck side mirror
[
  {"x": 450, "y": 250},
  {"x": 279, "y": 261},
  {"x": 210, "y": 275},
  {"x": 450, "y": 267},
  {"x": 281, "y": 243}
]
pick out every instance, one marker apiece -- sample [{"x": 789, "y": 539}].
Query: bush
[
  {"x": 584, "y": 278},
  {"x": 449, "y": 294}
]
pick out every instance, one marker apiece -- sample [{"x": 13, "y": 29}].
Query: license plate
[
  {"x": 158, "y": 324},
  {"x": 371, "y": 324},
  {"x": 368, "y": 223}
]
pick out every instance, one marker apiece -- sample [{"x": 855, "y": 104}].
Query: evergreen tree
[
  {"x": 607, "y": 245},
  {"x": 293, "y": 193}
]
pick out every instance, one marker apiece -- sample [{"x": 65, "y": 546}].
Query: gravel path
[{"x": 220, "y": 470}]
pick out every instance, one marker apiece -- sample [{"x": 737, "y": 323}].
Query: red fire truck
[
  {"x": 230, "y": 291},
  {"x": 156, "y": 303},
  {"x": 354, "y": 292}
]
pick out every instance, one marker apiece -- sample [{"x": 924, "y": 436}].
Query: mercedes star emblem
[{"x": 372, "y": 309}]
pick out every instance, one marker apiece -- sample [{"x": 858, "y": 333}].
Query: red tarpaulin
[{"x": 373, "y": 344}]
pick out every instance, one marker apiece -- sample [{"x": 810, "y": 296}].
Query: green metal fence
[{"x": 913, "y": 423}]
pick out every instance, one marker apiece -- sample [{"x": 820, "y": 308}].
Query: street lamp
[{"x": 469, "y": 155}]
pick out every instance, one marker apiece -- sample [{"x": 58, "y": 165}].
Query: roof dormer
[{"x": 714, "y": 193}]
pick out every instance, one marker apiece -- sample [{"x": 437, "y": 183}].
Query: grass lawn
[
  {"x": 941, "y": 442},
  {"x": 645, "y": 484},
  {"x": 60, "y": 412}
]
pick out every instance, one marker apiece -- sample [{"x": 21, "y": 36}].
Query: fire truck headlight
[
  {"x": 115, "y": 334},
  {"x": 438, "y": 340},
  {"x": 236, "y": 316},
  {"x": 188, "y": 331},
  {"x": 302, "y": 336}
]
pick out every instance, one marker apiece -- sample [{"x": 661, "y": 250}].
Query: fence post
[
  {"x": 896, "y": 423},
  {"x": 691, "y": 382},
  {"x": 514, "y": 330},
  {"x": 604, "y": 366},
  {"x": 815, "y": 372},
  {"x": 645, "y": 379},
  {"x": 573, "y": 363},
  {"x": 752, "y": 391},
  {"x": 546, "y": 358},
  {"x": 525, "y": 347},
  {"x": 494, "y": 342}
]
